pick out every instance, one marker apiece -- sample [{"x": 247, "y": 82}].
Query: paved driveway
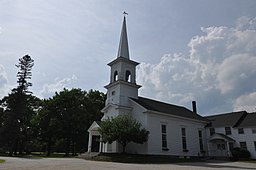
[{"x": 80, "y": 164}]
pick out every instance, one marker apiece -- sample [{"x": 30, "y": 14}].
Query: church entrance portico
[
  {"x": 94, "y": 144},
  {"x": 220, "y": 145}
]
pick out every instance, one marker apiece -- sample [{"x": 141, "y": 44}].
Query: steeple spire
[{"x": 123, "y": 50}]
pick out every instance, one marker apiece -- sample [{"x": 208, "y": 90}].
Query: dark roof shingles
[
  {"x": 227, "y": 119},
  {"x": 162, "y": 107},
  {"x": 249, "y": 121}
]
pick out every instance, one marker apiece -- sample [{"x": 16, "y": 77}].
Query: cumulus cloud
[
  {"x": 246, "y": 102},
  {"x": 5, "y": 87},
  {"x": 49, "y": 90},
  {"x": 219, "y": 72},
  {"x": 237, "y": 73}
]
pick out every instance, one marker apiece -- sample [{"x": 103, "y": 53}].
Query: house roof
[
  {"x": 249, "y": 120},
  {"x": 162, "y": 107},
  {"x": 233, "y": 119},
  {"x": 220, "y": 136}
]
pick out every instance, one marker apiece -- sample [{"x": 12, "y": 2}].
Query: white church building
[{"x": 173, "y": 130}]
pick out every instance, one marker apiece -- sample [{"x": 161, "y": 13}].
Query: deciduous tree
[{"x": 123, "y": 129}]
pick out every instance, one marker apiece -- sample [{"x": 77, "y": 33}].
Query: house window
[
  {"x": 200, "y": 140},
  {"x": 231, "y": 146},
  {"x": 254, "y": 130},
  {"x": 240, "y": 130},
  {"x": 228, "y": 130},
  {"x": 164, "y": 137},
  {"x": 184, "y": 139},
  {"x": 243, "y": 145},
  {"x": 212, "y": 131},
  {"x": 255, "y": 145}
]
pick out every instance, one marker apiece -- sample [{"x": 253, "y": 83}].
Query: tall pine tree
[
  {"x": 18, "y": 111},
  {"x": 25, "y": 65}
]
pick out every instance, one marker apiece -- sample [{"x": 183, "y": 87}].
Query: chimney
[{"x": 194, "y": 106}]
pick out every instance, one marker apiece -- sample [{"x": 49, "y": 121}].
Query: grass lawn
[
  {"x": 53, "y": 155},
  {"x": 2, "y": 161},
  {"x": 42, "y": 155},
  {"x": 143, "y": 159}
]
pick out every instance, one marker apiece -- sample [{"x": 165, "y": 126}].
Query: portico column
[
  {"x": 90, "y": 142},
  {"x": 100, "y": 149},
  {"x": 228, "y": 149}
]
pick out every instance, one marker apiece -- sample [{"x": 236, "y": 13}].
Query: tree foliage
[
  {"x": 66, "y": 117},
  {"x": 59, "y": 123},
  {"x": 124, "y": 129},
  {"x": 25, "y": 65},
  {"x": 240, "y": 154},
  {"x": 19, "y": 107}
]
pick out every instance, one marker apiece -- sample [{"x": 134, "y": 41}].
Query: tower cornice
[
  {"x": 122, "y": 82},
  {"x": 123, "y": 59}
]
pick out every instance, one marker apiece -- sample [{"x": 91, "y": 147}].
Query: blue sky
[{"x": 188, "y": 49}]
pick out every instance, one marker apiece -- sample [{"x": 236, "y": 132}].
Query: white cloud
[
  {"x": 237, "y": 73},
  {"x": 58, "y": 85},
  {"x": 246, "y": 23},
  {"x": 5, "y": 87},
  {"x": 3, "y": 76},
  {"x": 220, "y": 68},
  {"x": 246, "y": 102}
]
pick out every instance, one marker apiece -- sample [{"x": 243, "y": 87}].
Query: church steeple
[
  {"x": 123, "y": 50},
  {"x": 122, "y": 83}
]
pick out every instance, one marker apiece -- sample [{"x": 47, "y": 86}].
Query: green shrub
[{"x": 240, "y": 154}]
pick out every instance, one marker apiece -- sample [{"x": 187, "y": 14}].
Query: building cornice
[
  {"x": 122, "y": 82},
  {"x": 122, "y": 59}
]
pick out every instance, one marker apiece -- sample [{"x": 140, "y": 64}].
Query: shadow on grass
[{"x": 142, "y": 159}]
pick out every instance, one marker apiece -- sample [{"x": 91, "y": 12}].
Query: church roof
[
  {"x": 233, "y": 119},
  {"x": 123, "y": 50},
  {"x": 171, "y": 109}
]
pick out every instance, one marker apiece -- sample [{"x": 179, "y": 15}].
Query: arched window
[
  {"x": 128, "y": 76},
  {"x": 115, "y": 76}
]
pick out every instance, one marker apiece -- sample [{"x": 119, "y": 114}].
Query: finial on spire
[{"x": 125, "y": 13}]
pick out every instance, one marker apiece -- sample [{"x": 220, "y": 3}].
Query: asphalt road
[{"x": 80, "y": 164}]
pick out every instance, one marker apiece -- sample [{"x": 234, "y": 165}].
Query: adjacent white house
[
  {"x": 229, "y": 130},
  {"x": 174, "y": 130}
]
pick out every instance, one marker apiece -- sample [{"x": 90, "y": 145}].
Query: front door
[
  {"x": 221, "y": 149},
  {"x": 95, "y": 144}
]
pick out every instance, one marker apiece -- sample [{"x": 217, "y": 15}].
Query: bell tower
[{"x": 122, "y": 75}]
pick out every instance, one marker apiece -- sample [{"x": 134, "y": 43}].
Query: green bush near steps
[{"x": 240, "y": 154}]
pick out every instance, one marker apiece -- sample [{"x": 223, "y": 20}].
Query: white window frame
[
  {"x": 240, "y": 130},
  {"x": 228, "y": 130},
  {"x": 184, "y": 142},
  {"x": 212, "y": 131},
  {"x": 164, "y": 141},
  {"x": 243, "y": 147}
]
